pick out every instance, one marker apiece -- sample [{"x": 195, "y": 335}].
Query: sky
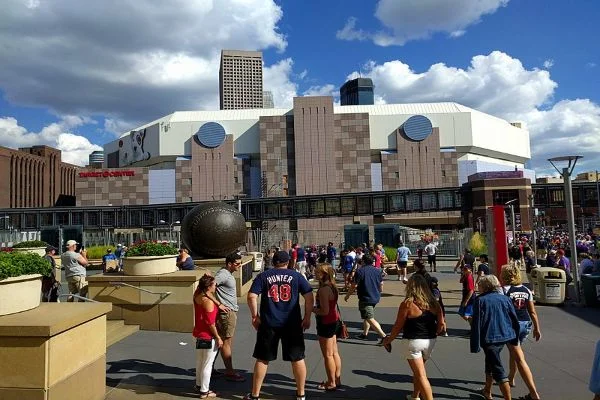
[{"x": 75, "y": 74}]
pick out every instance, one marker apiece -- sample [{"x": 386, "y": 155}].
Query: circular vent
[
  {"x": 211, "y": 135},
  {"x": 417, "y": 128}
]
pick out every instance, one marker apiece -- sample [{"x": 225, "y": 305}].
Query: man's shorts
[
  {"x": 466, "y": 311},
  {"x": 367, "y": 310},
  {"x": 226, "y": 323},
  {"x": 267, "y": 343},
  {"x": 402, "y": 264},
  {"x": 431, "y": 258},
  {"x": 77, "y": 285},
  {"x": 417, "y": 348}
]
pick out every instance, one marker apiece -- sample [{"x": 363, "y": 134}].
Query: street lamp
[
  {"x": 566, "y": 175},
  {"x": 512, "y": 218}
]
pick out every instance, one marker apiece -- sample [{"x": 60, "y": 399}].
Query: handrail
[
  {"x": 78, "y": 297},
  {"x": 121, "y": 284}
]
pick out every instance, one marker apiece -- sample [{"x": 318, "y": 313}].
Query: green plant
[
  {"x": 151, "y": 249},
  {"x": 96, "y": 252},
  {"x": 478, "y": 244},
  {"x": 17, "y": 264},
  {"x": 391, "y": 253},
  {"x": 30, "y": 244}
]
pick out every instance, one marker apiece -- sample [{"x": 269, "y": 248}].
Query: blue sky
[{"x": 77, "y": 73}]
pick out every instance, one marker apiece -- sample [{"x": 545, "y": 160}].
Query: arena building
[{"x": 312, "y": 148}]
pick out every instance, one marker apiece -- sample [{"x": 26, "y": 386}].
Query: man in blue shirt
[
  {"x": 331, "y": 254},
  {"x": 280, "y": 318},
  {"x": 110, "y": 261},
  {"x": 402, "y": 260},
  {"x": 368, "y": 283}
]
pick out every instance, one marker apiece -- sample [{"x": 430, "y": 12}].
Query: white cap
[
  {"x": 71, "y": 243},
  {"x": 119, "y": 245}
]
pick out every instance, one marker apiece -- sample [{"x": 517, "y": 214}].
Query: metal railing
[
  {"x": 76, "y": 296},
  {"x": 123, "y": 284}
]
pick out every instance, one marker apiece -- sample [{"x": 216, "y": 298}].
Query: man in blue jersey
[
  {"x": 279, "y": 318},
  {"x": 402, "y": 261}
]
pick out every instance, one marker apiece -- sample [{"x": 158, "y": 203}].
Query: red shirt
[
  {"x": 202, "y": 320},
  {"x": 377, "y": 260}
]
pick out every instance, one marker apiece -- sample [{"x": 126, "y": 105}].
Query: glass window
[
  {"x": 348, "y": 206},
  {"x": 147, "y": 217},
  {"x": 286, "y": 209},
  {"x": 30, "y": 220},
  {"x": 108, "y": 218},
  {"x": 62, "y": 218},
  {"x": 271, "y": 210},
  {"x": 540, "y": 197},
  {"x": 332, "y": 206},
  {"x": 301, "y": 207},
  {"x": 396, "y": 202},
  {"x": 47, "y": 219},
  {"x": 446, "y": 199},
  {"x": 429, "y": 201},
  {"x": 501, "y": 197},
  {"x": 556, "y": 197},
  {"x": 92, "y": 218},
  {"x": 136, "y": 218},
  {"x": 413, "y": 201},
  {"x": 457, "y": 199},
  {"x": 378, "y": 205},
  {"x": 364, "y": 205},
  {"x": 253, "y": 211},
  {"x": 76, "y": 218},
  {"x": 317, "y": 207},
  {"x": 590, "y": 197}
]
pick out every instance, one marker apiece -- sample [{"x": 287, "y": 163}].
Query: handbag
[
  {"x": 342, "y": 330},
  {"x": 204, "y": 343}
]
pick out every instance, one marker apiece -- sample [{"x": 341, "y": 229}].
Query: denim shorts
[
  {"x": 524, "y": 330},
  {"x": 466, "y": 311},
  {"x": 493, "y": 362}
]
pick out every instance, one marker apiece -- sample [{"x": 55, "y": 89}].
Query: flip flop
[
  {"x": 482, "y": 392},
  {"x": 209, "y": 394},
  {"x": 323, "y": 386},
  {"x": 235, "y": 378}
]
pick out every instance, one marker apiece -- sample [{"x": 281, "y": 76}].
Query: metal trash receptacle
[
  {"x": 591, "y": 289},
  {"x": 549, "y": 285}
]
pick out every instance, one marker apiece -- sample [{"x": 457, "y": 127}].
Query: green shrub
[
  {"x": 17, "y": 264},
  {"x": 151, "y": 249},
  {"x": 391, "y": 253},
  {"x": 96, "y": 252},
  {"x": 478, "y": 244},
  {"x": 30, "y": 244}
]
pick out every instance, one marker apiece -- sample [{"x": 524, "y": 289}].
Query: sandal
[
  {"x": 338, "y": 383},
  {"x": 323, "y": 386},
  {"x": 234, "y": 378},
  {"x": 206, "y": 395},
  {"x": 482, "y": 392},
  {"x": 527, "y": 397}
]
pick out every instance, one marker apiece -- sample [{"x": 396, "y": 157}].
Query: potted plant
[
  {"x": 31, "y": 246},
  {"x": 150, "y": 258},
  {"x": 21, "y": 281}
]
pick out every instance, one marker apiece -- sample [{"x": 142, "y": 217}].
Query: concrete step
[{"x": 116, "y": 330}]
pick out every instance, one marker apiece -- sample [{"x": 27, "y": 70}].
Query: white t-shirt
[{"x": 430, "y": 249}]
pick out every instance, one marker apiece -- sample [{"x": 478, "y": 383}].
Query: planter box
[
  {"x": 41, "y": 251},
  {"x": 149, "y": 265},
  {"x": 19, "y": 294}
]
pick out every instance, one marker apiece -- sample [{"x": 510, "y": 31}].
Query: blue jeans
[
  {"x": 493, "y": 362},
  {"x": 524, "y": 330}
]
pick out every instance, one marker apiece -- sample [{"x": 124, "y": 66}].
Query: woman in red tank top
[
  {"x": 208, "y": 341},
  {"x": 327, "y": 322}
]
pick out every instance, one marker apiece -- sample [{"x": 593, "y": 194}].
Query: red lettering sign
[{"x": 106, "y": 174}]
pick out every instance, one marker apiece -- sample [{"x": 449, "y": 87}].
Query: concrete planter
[
  {"x": 41, "y": 251},
  {"x": 19, "y": 294},
  {"x": 149, "y": 265}
]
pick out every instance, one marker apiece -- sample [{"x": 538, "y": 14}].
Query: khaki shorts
[
  {"x": 77, "y": 285},
  {"x": 226, "y": 323}
]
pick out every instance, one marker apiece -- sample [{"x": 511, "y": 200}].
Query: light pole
[
  {"x": 598, "y": 193},
  {"x": 533, "y": 226},
  {"x": 171, "y": 230},
  {"x": 512, "y": 219},
  {"x": 566, "y": 175}
]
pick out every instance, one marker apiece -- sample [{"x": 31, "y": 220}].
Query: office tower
[
  {"x": 268, "y": 99},
  {"x": 241, "y": 79},
  {"x": 356, "y": 92},
  {"x": 96, "y": 159}
]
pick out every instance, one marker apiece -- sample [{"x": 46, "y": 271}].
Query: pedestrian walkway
[{"x": 160, "y": 365}]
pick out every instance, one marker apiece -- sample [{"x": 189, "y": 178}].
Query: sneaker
[
  {"x": 361, "y": 336},
  {"x": 250, "y": 397},
  {"x": 445, "y": 334}
]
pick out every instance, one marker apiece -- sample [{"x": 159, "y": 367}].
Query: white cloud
[
  {"x": 549, "y": 63},
  {"x": 75, "y": 148},
  {"x": 276, "y": 79},
  {"x": 128, "y": 60},
  {"x": 500, "y": 85},
  {"x": 591, "y": 64},
  {"x": 325, "y": 90},
  {"x": 404, "y": 21}
]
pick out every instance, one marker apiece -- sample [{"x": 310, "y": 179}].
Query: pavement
[{"x": 161, "y": 365}]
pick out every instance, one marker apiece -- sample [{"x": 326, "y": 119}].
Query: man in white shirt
[{"x": 430, "y": 250}]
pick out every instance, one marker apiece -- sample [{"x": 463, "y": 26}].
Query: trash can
[
  {"x": 591, "y": 289},
  {"x": 257, "y": 260},
  {"x": 549, "y": 285}
]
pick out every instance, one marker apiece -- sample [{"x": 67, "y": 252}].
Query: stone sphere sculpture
[{"x": 213, "y": 229}]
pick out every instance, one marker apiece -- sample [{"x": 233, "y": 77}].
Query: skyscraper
[
  {"x": 356, "y": 92},
  {"x": 268, "y": 99},
  {"x": 241, "y": 79}
]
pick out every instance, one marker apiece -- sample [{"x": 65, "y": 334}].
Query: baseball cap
[
  {"x": 434, "y": 279},
  {"x": 119, "y": 245},
  {"x": 50, "y": 248},
  {"x": 71, "y": 242},
  {"x": 281, "y": 257}
]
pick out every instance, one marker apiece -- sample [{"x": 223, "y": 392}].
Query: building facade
[
  {"x": 241, "y": 79},
  {"x": 357, "y": 92},
  {"x": 35, "y": 177},
  {"x": 313, "y": 148}
]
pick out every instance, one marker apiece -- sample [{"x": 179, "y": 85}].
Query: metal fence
[
  {"x": 264, "y": 239},
  {"x": 449, "y": 243}
]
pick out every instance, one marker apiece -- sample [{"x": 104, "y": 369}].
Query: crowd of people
[{"x": 499, "y": 316}]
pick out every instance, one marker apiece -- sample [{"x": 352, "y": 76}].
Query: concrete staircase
[{"x": 116, "y": 330}]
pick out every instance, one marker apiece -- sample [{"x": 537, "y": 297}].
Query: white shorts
[{"x": 417, "y": 348}]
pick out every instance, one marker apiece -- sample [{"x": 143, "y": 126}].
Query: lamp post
[
  {"x": 566, "y": 175},
  {"x": 533, "y": 226},
  {"x": 512, "y": 219},
  {"x": 598, "y": 193},
  {"x": 171, "y": 231}
]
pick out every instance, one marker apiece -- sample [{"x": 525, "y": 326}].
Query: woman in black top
[{"x": 421, "y": 320}]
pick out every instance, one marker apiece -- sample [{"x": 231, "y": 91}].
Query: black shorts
[
  {"x": 431, "y": 258},
  {"x": 327, "y": 330},
  {"x": 402, "y": 264},
  {"x": 267, "y": 342}
]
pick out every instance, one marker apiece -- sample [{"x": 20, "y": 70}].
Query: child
[
  {"x": 437, "y": 294},
  {"x": 468, "y": 294}
]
